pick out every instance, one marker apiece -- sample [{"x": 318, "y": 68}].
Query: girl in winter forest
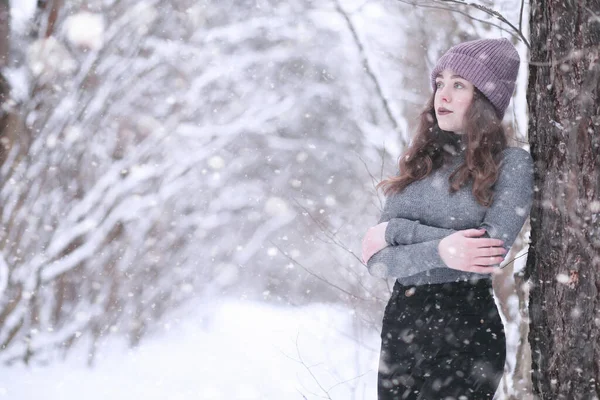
[{"x": 451, "y": 214}]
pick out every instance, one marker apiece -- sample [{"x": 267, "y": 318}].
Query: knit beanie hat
[{"x": 491, "y": 65}]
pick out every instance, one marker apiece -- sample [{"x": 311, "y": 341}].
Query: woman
[{"x": 451, "y": 215}]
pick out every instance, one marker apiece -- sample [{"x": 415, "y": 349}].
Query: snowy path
[{"x": 236, "y": 351}]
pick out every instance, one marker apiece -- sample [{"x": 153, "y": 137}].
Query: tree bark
[
  {"x": 564, "y": 257},
  {"x": 47, "y": 14},
  {"x": 4, "y": 86}
]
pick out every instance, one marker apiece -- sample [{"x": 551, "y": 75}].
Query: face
[{"x": 455, "y": 94}]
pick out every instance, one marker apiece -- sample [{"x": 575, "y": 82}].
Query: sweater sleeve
[
  {"x": 405, "y": 231},
  {"x": 405, "y": 260},
  {"x": 410, "y": 259},
  {"x": 513, "y": 197}
]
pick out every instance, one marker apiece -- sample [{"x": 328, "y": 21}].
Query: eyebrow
[{"x": 439, "y": 75}]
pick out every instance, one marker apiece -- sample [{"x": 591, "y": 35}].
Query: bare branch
[
  {"x": 315, "y": 275},
  {"x": 309, "y": 369},
  {"x": 521, "y": 15},
  {"x": 369, "y": 69},
  {"x": 493, "y": 13},
  {"x": 416, "y": 4},
  {"x": 516, "y": 31}
]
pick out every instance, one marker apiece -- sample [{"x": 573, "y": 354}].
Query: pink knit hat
[{"x": 491, "y": 65}]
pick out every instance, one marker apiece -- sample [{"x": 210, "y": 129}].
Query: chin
[{"x": 447, "y": 128}]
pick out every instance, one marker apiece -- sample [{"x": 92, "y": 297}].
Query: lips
[{"x": 443, "y": 111}]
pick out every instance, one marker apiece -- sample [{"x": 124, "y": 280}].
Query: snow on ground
[{"x": 224, "y": 350}]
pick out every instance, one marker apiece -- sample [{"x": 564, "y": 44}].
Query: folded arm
[
  {"x": 513, "y": 195},
  {"x": 401, "y": 231},
  {"x": 405, "y": 260}
]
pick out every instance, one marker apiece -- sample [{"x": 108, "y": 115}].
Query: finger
[
  {"x": 473, "y": 232},
  {"x": 491, "y": 242},
  {"x": 489, "y": 260},
  {"x": 487, "y": 270},
  {"x": 491, "y": 251},
  {"x": 481, "y": 269}
]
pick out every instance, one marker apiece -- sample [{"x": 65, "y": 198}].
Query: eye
[
  {"x": 459, "y": 84},
  {"x": 437, "y": 84}
]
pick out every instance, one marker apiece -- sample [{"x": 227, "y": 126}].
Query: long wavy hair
[{"x": 483, "y": 136}]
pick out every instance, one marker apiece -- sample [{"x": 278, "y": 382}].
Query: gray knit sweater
[{"x": 425, "y": 212}]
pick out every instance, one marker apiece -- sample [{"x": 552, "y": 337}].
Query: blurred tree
[{"x": 160, "y": 150}]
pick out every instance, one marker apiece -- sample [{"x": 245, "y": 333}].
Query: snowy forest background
[{"x": 173, "y": 161}]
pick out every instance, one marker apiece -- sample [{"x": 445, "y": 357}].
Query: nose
[{"x": 444, "y": 95}]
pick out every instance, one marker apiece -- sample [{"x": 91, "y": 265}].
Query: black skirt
[{"x": 441, "y": 341}]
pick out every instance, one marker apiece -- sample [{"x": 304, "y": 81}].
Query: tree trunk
[
  {"x": 564, "y": 256},
  {"x": 4, "y": 87}
]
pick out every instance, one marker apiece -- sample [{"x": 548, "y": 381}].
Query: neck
[{"x": 457, "y": 144}]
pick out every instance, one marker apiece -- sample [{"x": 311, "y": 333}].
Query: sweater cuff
[{"x": 436, "y": 258}]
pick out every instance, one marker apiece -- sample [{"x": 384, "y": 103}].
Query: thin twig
[
  {"x": 493, "y": 13},
  {"x": 373, "y": 179},
  {"x": 317, "y": 276},
  {"x": 309, "y": 370},
  {"x": 479, "y": 7},
  {"x": 348, "y": 380},
  {"x": 521, "y": 15},
  {"x": 327, "y": 232},
  {"x": 357, "y": 277},
  {"x": 413, "y": 3},
  {"x": 514, "y": 259}
]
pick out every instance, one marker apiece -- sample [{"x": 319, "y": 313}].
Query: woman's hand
[
  {"x": 374, "y": 241},
  {"x": 463, "y": 251}
]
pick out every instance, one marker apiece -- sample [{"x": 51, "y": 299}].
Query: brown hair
[{"x": 484, "y": 137}]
